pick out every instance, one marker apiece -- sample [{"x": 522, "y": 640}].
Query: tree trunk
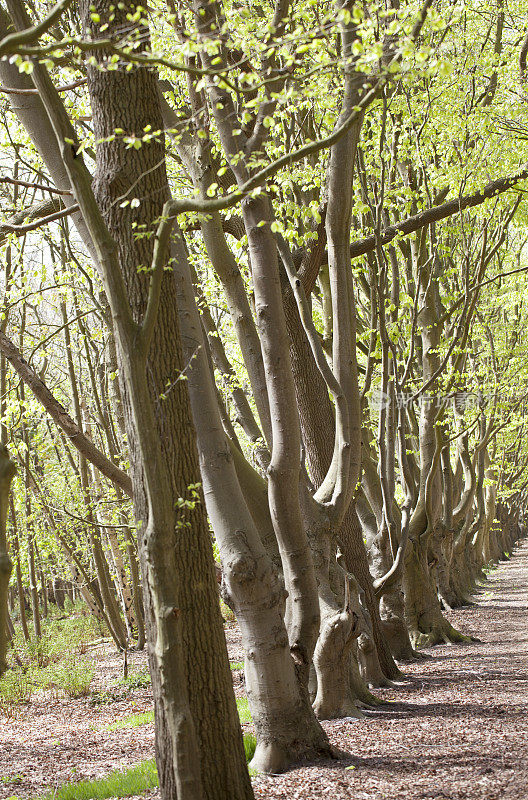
[
  {"x": 198, "y": 740},
  {"x": 7, "y": 473},
  {"x": 284, "y": 721}
]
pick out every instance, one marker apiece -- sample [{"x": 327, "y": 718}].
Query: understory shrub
[
  {"x": 15, "y": 691},
  {"x": 137, "y": 680},
  {"x": 62, "y": 637},
  {"x": 74, "y": 677}
]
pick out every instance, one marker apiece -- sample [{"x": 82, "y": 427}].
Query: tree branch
[
  {"x": 33, "y": 185},
  {"x": 159, "y": 261},
  {"x": 61, "y": 417},
  {"x": 66, "y": 88},
  {"x": 437, "y": 213},
  {"x": 11, "y": 44},
  {"x": 39, "y": 222}
]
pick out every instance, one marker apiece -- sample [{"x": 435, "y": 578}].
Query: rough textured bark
[{"x": 178, "y": 571}]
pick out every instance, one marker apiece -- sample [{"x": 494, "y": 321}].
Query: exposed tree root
[
  {"x": 442, "y": 633},
  {"x": 273, "y": 757}
]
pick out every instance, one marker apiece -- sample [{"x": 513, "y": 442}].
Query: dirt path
[{"x": 457, "y": 729}]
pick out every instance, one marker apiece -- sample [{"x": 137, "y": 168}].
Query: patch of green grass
[
  {"x": 243, "y": 709},
  {"x": 133, "y": 781},
  {"x": 236, "y": 665},
  {"x": 250, "y": 745},
  {"x": 226, "y": 612},
  {"x": 136, "y": 720},
  {"x": 489, "y": 568},
  {"x": 12, "y": 779},
  {"x": 133, "y": 721}
]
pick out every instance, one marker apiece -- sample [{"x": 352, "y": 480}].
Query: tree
[
  {"x": 322, "y": 224},
  {"x": 198, "y": 751},
  {"x": 7, "y": 472}
]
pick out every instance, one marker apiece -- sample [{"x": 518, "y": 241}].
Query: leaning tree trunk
[
  {"x": 426, "y": 623},
  {"x": 7, "y": 473},
  {"x": 318, "y": 431},
  {"x": 283, "y": 717},
  {"x": 204, "y": 756}
]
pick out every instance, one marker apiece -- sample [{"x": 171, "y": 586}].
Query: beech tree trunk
[
  {"x": 284, "y": 721},
  {"x": 180, "y": 592},
  {"x": 426, "y": 623}
]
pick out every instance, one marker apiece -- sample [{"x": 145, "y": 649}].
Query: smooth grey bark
[
  {"x": 284, "y": 468},
  {"x": 427, "y": 625},
  {"x": 284, "y": 721},
  {"x": 195, "y": 154},
  {"x": 318, "y": 432},
  {"x": 391, "y": 600},
  {"x": 340, "y": 481}
]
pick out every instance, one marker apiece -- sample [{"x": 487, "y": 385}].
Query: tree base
[
  {"x": 274, "y": 758},
  {"x": 338, "y": 711},
  {"x": 442, "y": 633}
]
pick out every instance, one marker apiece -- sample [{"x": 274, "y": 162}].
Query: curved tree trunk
[{"x": 284, "y": 721}]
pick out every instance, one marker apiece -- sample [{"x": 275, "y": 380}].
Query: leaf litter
[{"x": 455, "y": 729}]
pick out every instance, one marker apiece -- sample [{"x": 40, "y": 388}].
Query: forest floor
[{"x": 456, "y": 729}]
